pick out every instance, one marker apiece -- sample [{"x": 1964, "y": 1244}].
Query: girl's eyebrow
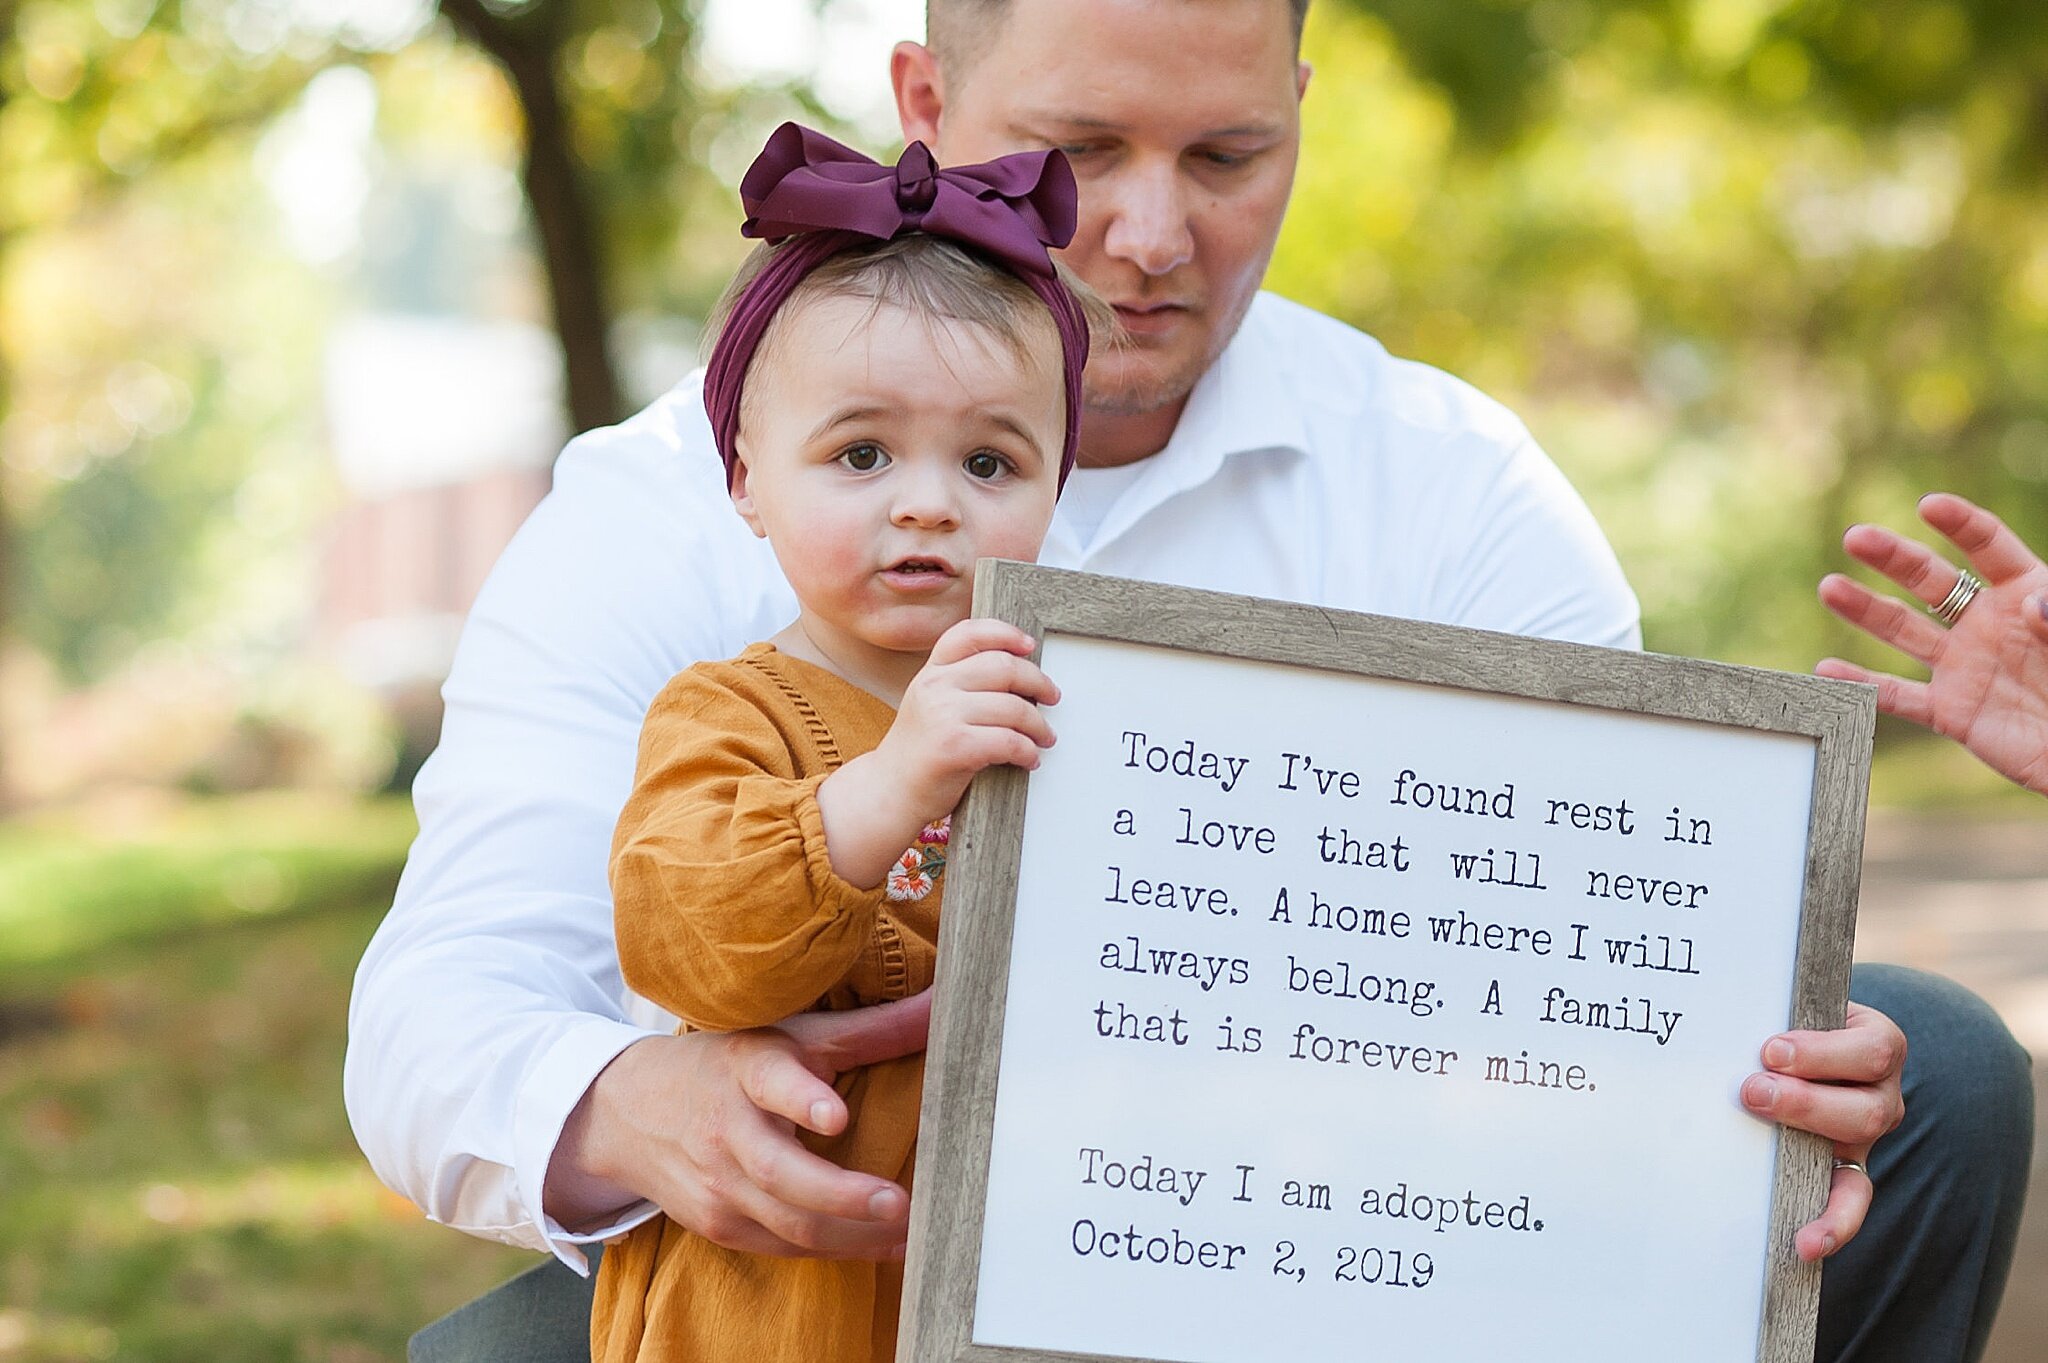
[
  {"x": 847, "y": 416},
  {"x": 1011, "y": 424}
]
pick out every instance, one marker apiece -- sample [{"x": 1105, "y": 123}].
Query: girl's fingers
[
  {"x": 979, "y": 747},
  {"x": 1908, "y": 700},
  {"x": 1002, "y": 673},
  {"x": 979, "y": 635},
  {"x": 1994, "y": 551},
  {"x": 1001, "y": 710},
  {"x": 1884, "y": 618}
]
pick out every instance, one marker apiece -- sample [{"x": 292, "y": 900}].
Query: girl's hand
[
  {"x": 975, "y": 704},
  {"x": 1989, "y": 688}
]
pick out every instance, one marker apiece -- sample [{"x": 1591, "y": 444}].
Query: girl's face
[{"x": 881, "y": 453}]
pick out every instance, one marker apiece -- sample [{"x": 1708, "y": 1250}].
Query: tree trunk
[{"x": 527, "y": 50}]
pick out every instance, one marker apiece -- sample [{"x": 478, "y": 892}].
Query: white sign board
[{"x": 1351, "y": 1015}]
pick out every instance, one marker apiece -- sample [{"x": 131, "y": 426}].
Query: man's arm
[{"x": 490, "y": 999}]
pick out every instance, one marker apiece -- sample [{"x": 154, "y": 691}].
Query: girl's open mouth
[{"x": 920, "y": 575}]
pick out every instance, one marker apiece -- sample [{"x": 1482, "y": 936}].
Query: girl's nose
[{"x": 925, "y": 499}]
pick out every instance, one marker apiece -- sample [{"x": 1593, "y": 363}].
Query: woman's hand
[{"x": 1989, "y": 688}]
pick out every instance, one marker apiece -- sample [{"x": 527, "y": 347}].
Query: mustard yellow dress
[{"x": 729, "y": 916}]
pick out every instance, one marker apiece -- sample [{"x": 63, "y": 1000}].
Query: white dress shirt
[{"x": 1308, "y": 465}]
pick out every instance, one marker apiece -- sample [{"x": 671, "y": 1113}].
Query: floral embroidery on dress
[{"x": 917, "y": 870}]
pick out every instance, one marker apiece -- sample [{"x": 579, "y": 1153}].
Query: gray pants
[{"x": 1919, "y": 1285}]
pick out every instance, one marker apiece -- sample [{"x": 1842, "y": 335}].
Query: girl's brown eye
[
  {"x": 863, "y": 458},
  {"x": 984, "y": 465}
]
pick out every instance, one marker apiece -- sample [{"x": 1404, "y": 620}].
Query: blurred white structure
[{"x": 443, "y": 430}]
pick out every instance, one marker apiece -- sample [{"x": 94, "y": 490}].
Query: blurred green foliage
[
  {"x": 142, "y": 406},
  {"x": 1752, "y": 269},
  {"x": 161, "y": 429}
]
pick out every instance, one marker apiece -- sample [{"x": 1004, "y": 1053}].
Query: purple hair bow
[{"x": 1014, "y": 209}]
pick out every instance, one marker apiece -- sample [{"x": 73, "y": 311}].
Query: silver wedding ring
[
  {"x": 1852, "y": 1164},
  {"x": 1952, "y": 606}
]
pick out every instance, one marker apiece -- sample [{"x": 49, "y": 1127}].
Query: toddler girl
[{"x": 895, "y": 390}]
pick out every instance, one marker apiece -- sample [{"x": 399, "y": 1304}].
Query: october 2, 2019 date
[{"x": 1370, "y": 1265}]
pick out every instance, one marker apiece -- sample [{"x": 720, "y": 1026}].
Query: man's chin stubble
[
  {"x": 1143, "y": 392},
  {"x": 1149, "y": 390}
]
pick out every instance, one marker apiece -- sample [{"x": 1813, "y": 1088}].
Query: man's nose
[{"x": 1150, "y": 223}]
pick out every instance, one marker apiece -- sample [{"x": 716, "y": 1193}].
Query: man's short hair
[{"x": 960, "y": 31}]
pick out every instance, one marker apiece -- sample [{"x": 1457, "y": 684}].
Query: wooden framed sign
[{"x": 1349, "y": 988}]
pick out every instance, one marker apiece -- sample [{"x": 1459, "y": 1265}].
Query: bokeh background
[{"x": 300, "y": 298}]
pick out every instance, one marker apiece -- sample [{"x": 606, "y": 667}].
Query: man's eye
[
  {"x": 984, "y": 465},
  {"x": 863, "y": 458}
]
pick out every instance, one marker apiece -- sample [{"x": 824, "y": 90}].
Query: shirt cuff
[{"x": 552, "y": 1089}]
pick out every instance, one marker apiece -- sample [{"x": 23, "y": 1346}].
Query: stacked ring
[{"x": 1968, "y": 584}]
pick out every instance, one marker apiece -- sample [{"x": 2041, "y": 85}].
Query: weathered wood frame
[{"x": 958, "y": 1115}]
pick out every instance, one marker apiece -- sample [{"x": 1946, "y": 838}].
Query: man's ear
[
  {"x": 1302, "y": 71},
  {"x": 920, "y": 91},
  {"x": 743, "y": 497}
]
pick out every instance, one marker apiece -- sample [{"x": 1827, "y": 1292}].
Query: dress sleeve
[{"x": 727, "y": 910}]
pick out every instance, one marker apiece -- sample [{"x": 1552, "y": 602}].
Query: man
[{"x": 1238, "y": 442}]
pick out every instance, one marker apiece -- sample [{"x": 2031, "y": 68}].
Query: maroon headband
[{"x": 1011, "y": 209}]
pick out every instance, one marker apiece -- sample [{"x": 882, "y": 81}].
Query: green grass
[
  {"x": 176, "y": 1173},
  {"x": 75, "y": 884}
]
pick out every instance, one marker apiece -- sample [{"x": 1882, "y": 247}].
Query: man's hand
[
  {"x": 703, "y": 1126},
  {"x": 1844, "y": 1087}
]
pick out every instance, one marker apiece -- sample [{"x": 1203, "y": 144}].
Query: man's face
[{"x": 1181, "y": 119}]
